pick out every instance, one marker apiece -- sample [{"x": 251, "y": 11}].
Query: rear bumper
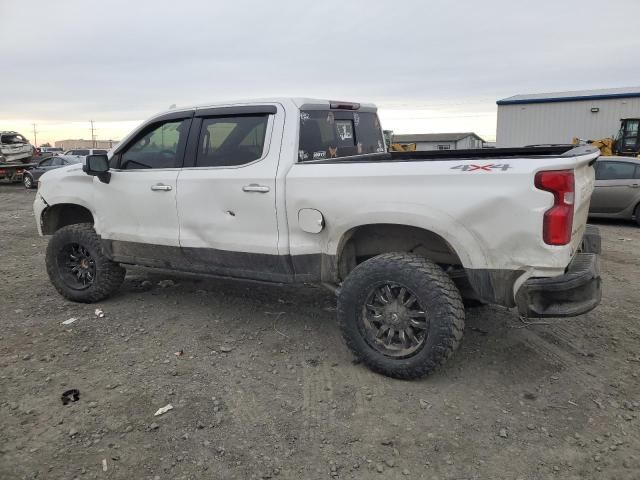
[
  {"x": 576, "y": 292},
  {"x": 591, "y": 241},
  {"x": 16, "y": 156}
]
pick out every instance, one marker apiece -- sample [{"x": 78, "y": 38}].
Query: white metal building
[
  {"x": 80, "y": 143},
  {"x": 441, "y": 141},
  {"x": 545, "y": 118}
]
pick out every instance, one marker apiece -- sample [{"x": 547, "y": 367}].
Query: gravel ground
[{"x": 265, "y": 388}]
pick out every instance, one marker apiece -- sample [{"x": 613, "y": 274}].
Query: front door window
[{"x": 158, "y": 147}]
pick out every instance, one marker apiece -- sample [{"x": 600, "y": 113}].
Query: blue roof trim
[{"x": 609, "y": 96}]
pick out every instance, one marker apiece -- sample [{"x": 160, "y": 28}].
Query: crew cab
[{"x": 301, "y": 190}]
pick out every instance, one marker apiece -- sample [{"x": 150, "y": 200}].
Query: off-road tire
[
  {"x": 27, "y": 181},
  {"x": 435, "y": 291},
  {"x": 108, "y": 275}
]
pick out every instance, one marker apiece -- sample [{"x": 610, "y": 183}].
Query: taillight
[{"x": 558, "y": 220}]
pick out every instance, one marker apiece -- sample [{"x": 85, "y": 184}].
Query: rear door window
[
  {"x": 231, "y": 140},
  {"x": 326, "y": 134},
  {"x": 616, "y": 171}
]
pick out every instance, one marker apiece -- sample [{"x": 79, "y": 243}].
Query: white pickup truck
[{"x": 301, "y": 190}]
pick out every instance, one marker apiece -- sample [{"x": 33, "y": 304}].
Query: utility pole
[
  {"x": 93, "y": 138},
  {"x": 35, "y": 136}
]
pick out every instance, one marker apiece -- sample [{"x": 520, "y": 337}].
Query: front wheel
[
  {"x": 400, "y": 314},
  {"x": 78, "y": 267},
  {"x": 636, "y": 214}
]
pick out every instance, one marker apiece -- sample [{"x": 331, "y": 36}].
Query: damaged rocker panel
[
  {"x": 224, "y": 263},
  {"x": 491, "y": 286}
]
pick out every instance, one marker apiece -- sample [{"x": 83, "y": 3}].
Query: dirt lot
[{"x": 266, "y": 388}]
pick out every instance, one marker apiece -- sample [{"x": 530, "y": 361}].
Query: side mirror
[{"x": 98, "y": 166}]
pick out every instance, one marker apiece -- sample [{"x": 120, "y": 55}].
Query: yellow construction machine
[
  {"x": 627, "y": 143},
  {"x": 402, "y": 147}
]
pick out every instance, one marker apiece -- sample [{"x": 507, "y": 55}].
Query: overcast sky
[{"x": 431, "y": 66}]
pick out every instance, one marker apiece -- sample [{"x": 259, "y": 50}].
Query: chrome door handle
[
  {"x": 160, "y": 187},
  {"x": 254, "y": 187}
]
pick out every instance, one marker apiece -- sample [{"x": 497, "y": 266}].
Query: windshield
[
  {"x": 72, "y": 161},
  {"x": 13, "y": 139}
]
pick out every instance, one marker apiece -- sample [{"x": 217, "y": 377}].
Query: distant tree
[{"x": 45, "y": 144}]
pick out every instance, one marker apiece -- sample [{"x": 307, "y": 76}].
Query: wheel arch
[
  {"x": 60, "y": 215},
  {"x": 365, "y": 241}
]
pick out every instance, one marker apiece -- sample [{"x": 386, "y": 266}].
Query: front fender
[{"x": 69, "y": 185}]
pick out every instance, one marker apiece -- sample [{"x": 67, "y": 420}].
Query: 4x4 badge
[{"x": 482, "y": 168}]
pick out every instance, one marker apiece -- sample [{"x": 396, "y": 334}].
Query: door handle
[
  {"x": 254, "y": 187},
  {"x": 634, "y": 185},
  {"x": 160, "y": 187}
]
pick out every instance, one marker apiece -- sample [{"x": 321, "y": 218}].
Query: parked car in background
[
  {"x": 14, "y": 148},
  {"x": 48, "y": 151},
  {"x": 30, "y": 177},
  {"x": 81, "y": 153},
  {"x": 617, "y": 190}
]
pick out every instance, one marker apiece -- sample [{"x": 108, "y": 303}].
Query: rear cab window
[{"x": 328, "y": 134}]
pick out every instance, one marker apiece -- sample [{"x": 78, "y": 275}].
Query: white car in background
[
  {"x": 81, "y": 153},
  {"x": 51, "y": 151}
]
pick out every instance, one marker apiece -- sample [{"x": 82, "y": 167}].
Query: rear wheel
[
  {"x": 400, "y": 314},
  {"x": 27, "y": 181},
  {"x": 77, "y": 266},
  {"x": 636, "y": 214}
]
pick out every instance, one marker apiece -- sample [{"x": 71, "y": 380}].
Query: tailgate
[{"x": 584, "y": 177}]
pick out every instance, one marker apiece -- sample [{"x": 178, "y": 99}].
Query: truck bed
[
  {"x": 524, "y": 152},
  {"x": 484, "y": 153}
]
